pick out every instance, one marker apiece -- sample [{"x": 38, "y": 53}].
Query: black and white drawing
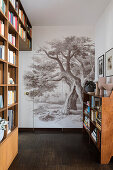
[
  {"x": 101, "y": 66},
  {"x": 109, "y": 63},
  {"x": 57, "y": 76}
]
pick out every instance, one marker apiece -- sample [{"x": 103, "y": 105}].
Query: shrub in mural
[{"x": 69, "y": 62}]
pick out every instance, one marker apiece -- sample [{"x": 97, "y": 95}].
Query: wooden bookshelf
[
  {"x": 103, "y": 112},
  {"x": 9, "y": 144}
]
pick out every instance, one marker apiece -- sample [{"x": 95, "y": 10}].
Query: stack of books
[
  {"x": 10, "y": 120},
  {"x": 3, "y": 6},
  {"x": 11, "y": 39},
  {"x": 22, "y": 16},
  {"x": 1, "y": 27},
  {"x": 11, "y": 57},
  {"x": 15, "y": 4},
  {"x": 10, "y": 80},
  {"x": 11, "y": 97},
  {"x": 22, "y": 33},
  {"x": 12, "y": 19},
  {"x": 1, "y": 101},
  {"x": 2, "y": 52}
]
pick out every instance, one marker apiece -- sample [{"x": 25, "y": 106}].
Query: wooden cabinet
[
  {"x": 12, "y": 39},
  {"x": 98, "y": 123},
  {"x": 8, "y": 149}
]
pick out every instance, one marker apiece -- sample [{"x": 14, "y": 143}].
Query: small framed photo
[
  {"x": 109, "y": 63},
  {"x": 101, "y": 66}
]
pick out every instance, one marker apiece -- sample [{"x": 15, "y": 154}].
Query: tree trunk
[{"x": 71, "y": 101}]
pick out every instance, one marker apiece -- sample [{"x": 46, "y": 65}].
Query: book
[
  {"x": 11, "y": 97},
  {"x": 22, "y": 33},
  {"x": 2, "y": 52},
  {"x": 3, "y": 6},
  {"x": 11, "y": 57},
  {"x": 10, "y": 120},
  {"x": 1, "y": 28},
  {"x": 1, "y": 101},
  {"x": 22, "y": 16},
  {"x": 12, "y": 19},
  {"x": 11, "y": 39}
]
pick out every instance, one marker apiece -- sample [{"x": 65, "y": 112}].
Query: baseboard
[{"x": 61, "y": 130}]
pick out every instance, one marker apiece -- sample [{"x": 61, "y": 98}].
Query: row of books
[
  {"x": 10, "y": 80},
  {"x": 87, "y": 123},
  {"x": 96, "y": 135},
  {"x": 22, "y": 32},
  {"x": 10, "y": 120},
  {"x": 28, "y": 43},
  {"x": 1, "y": 101},
  {"x": 87, "y": 110},
  {"x": 11, "y": 57},
  {"x": 22, "y": 16},
  {"x": 15, "y": 4},
  {"x": 2, "y": 52},
  {"x": 13, "y": 19},
  {"x": 29, "y": 29},
  {"x": 1, "y": 27},
  {"x": 3, "y": 6},
  {"x": 11, "y": 97},
  {"x": 96, "y": 117},
  {"x": 96, "y": 102},
  {"x": 11, "y": 39}
]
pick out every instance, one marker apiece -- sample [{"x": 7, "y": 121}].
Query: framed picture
[
  {"x": 109, "y": 63},
  {"x": 101, "y": 66}
]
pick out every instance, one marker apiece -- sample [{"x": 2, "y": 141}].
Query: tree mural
[{"x": 70, "y": 60}]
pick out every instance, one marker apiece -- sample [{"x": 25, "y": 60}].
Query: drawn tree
[{"x": 71, "y": 60}]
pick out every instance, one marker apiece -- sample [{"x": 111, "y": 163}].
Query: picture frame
[
  {"x": 109, "y": 63},
  {"x": 101, "y": 66}
]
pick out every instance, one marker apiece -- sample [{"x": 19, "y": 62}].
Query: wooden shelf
[
  {"x": 12, "y": 47},
  {"x": 3, "y": 109},
  {"x": 104, "y": 135},
  {"x": 2, "y": 38},
  {"x": 12, "y": 9},
  {"x": 9, "y": 145},
  {"x": 12, "y": 65},
  {"x": 3, "y": 85},
  {"x": 3, "y": 61},
  {"x": 12, "y": 28},
  {"x": 12, "y": 105},
  {"x": 12, "y": 85},
  {"x": 2, "y": 16},
  {"x": 22, "y": 24},
  {"x": 94, "y": 123},
  {"x": 93, "y": 140}
]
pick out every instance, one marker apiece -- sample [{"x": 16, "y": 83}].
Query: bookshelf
[
  {"x": 12, "y": 40},
  {"x": 98, "y": 124}
]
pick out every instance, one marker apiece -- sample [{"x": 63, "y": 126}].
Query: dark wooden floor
[{"x": 57, "y": 151}]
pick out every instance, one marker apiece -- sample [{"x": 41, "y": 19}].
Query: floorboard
[{"x": 57, "y": 151}]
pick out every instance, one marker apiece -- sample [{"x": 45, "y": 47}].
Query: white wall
[
  {"x": 104, "y": 34},
  {"x": 40, "y": 36}
]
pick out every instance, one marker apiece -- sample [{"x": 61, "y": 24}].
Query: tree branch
[{"x": 57, "y": 59}]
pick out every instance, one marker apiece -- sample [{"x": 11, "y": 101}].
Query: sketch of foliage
[{"x": 71, "y": 61}]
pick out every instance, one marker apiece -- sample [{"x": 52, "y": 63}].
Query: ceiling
[{"x": 64, "y": 12}]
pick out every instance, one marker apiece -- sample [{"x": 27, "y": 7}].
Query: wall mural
[{"x": 56, "y": 78}]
